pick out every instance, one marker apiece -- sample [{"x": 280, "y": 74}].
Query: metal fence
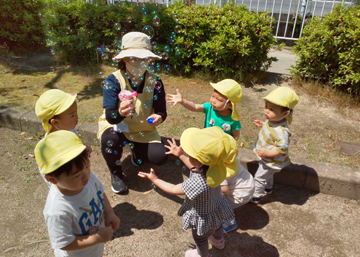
[{"x": 290, "y": 15}]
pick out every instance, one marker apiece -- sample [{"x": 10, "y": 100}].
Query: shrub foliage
[
  {"x": 329, "y": 49},
  {"x": 21, "y": 28},
  {"x": 226, "y": 41}
]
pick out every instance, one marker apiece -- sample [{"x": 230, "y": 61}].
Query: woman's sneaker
[
  {"x": 118, "y": 186},
  {"x": 268, "y": 191},
  {"x": 256, "y": 199},
  {"x": 229, "y": 225},
  {"x": 219, "y": 244}
]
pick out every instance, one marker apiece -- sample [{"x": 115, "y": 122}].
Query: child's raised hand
[
  {"x": 112, "y": 220},
  {"x": 258, "y": 123},
  {"x": 105, "y": 233},
  {"x": 174, "y": 98},
  {"x": 150, "y": 176},
  {"x": 173, "y": 148}
]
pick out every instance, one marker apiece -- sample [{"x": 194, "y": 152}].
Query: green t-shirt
[{"x": 212, "y": 118}]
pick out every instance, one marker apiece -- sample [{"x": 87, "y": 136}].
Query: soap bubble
[
  {"x": 144, "y": 10},
  {"x": 131, "y": 145},
  {"x": 100, "y": 50},
  {"x": 157, "y": 85},
  {"x": 117, "y": 26},
  {"x": 164, "y": 56},
  {"x": 133, "y": 59},
  {"x": 155, "y": 13},
  {"x": 176, "y": 17},
  {"x": 127, "y": 75},
  {"x": 151, "y": 80},
  {"x": 156, "y": 21},
  {"x": 167, "y": 48},
  {"x": 105, "y": 56},
  {"x": 114, "y": 115},
  {"x": 139, "y": 161},
  {"x": 154, "y": 44},
  {"x": 128, "y": 19},
  {"x": 141, "y": 134},
  {"x": 131, "y": 137},
  {"x": 172, "y": 39},
  {"x": 108, "y": 150},
  {"x": 167, "y": 67},
  {"x": 125, "y": 143},
  {"x": 177, "y": 28},
  {"x": 153, "y": 185},
  {"x": 112, "y": 131},
  {"x": 148, "y": 30},
  {"x": 109, "y": 143},
  {"x": 155, "y": 97},
  {"x": 118, "y": 163},
  {"x": 151, "y": 61},
  {"x": 115, "y": 152},
  {"x": 177, "y": 162},
  {"x": 151, "y": 69},
  {"x": 158, "y": 67},
  {"x": 148, "y": 89}
]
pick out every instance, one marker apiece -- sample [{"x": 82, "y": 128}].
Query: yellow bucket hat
[
  {"x": 283, "y": 96},
  {"x": 212, "y": 147},
  {"x": 51, "y": 103},
  {"x": 57, "y": 149},
  {"x": 232, "y": 90}
]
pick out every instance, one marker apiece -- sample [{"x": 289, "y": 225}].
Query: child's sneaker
[
  {"x": 193, "y": 253},
  {"x": 268, "y": 191},
  {"x": 256, "y": 199},
  {"x": 219, "y": 244},
  {"x": 229, "y": 226}
]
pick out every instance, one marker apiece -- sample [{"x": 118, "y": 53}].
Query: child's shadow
[{"x": 131, "y": 218}]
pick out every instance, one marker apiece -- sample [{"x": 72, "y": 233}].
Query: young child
[
  {"x": 237, "y": 190},
  {"x": 221, "y": 110},
  {"x": 76, "y": 207},
  {"x": 272, "y": 144},
  {"x": 58, "y": 111},
  {"x": 210, "y": 155}
]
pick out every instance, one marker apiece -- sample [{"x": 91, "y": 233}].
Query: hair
[
  {"x": 121, "y": 64},
  {"x": 79, "y": 161},
  {"x": 221, "y": 94},
  {"x": 203, "y": 169}
]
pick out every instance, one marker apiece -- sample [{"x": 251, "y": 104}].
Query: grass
[{"x": 20, "y": 88}]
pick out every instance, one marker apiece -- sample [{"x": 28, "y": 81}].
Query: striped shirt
[{"x": 274, "y": 136}]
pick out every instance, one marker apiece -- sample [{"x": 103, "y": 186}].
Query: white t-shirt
[
  {"x": 241, "y": 187},
  {"x": 81, "y": 214}
]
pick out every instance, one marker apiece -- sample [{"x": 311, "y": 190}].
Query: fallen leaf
[
  {"x": 26, "y": 157},
  {"x": 7, "y": 71},
  {"x": 145, "y": 193},
  {"x": 193, "y": 82},
  {"x": 350, "y": 207},
  {"x": 242, "y": 144},
  {"x": 22, "y": 133},
  {"x": 261, "y": 107},
  {"x": 23, "y": 80},
  {"x": 187, "y": 116},
  {"x": 28, "y": 138},
  {"x": 31, "y": 155},
  {"x": 36, "y": 95}
]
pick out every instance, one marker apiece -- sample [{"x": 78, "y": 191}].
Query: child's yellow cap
[
  {"x": 232, "y": 90},
  {"x": 283, "y": 96},
  {"x": 212, "y": 147},
  {"x": 57, "y": 149},
  {"x": 51, "y": 103}
]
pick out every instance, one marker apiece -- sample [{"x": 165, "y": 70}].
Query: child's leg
[
  {"x": 202, "y": 244},
  {"x": 153, "y": 153},
  {"x": 263, "y": 176}
]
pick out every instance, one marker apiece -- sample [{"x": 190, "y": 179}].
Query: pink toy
[{"x": 126, "y": 95}]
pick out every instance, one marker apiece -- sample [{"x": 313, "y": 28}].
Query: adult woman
[{"x": 125, "y": 122}]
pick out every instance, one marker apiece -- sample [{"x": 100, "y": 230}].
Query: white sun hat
[{"x": 136, "y": 44}]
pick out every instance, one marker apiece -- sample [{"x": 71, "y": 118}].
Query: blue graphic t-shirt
[
  {"x": 212, "y": 118},
  {"x": 81, "y": 214}
]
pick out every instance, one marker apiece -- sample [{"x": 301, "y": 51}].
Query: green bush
[
  {"x": 226, "y": 42},
  {"x": 329, "y": 49},
  {"x": 21, "y": 28}
]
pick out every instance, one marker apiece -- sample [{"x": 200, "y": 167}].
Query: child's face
[
  {"x": 218, "y": 101},
  {"x": 274, "y": 113},
  {"x": 68, "y": 119},
  {"x": 73, "y": 183}
]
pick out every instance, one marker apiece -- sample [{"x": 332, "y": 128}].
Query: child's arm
[
  {"x": 236, "y": 134},
  {"x": 266, "y": 153},
  {"x": 187, "y": 104},
  {"x": 111, "y": 218},
  {"x": 258, "y": 123},
  {"x": 177, "y": 151},
  {"x": 83, "y": 241},
  {"x": 163, "y": 185},
  {"x": 224, "y": 189}
]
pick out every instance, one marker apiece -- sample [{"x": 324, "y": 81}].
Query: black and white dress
[{"x": 204, "y": 208}]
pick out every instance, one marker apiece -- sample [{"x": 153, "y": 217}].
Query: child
[
  {"x": 272, "y": 144},
  {"x": 221, "y": 110},
  {"x": 211, "y": 156},
  {"x": 58, "y": 111},
  {"x": 76, "y": 204},
  {"x": 237, "y": 190}
]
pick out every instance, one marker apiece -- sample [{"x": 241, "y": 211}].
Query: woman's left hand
[{"x": 157, "y": 120}]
